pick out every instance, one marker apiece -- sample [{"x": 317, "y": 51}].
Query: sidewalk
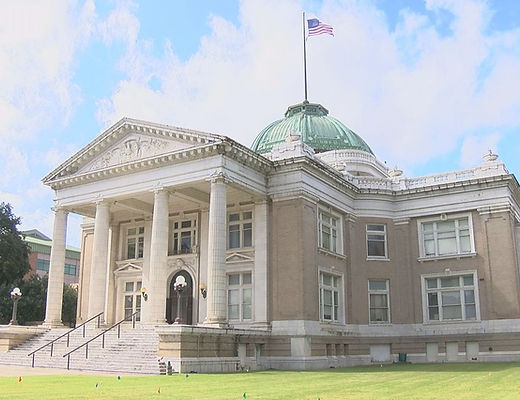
[{"x": 15, "y": 370}]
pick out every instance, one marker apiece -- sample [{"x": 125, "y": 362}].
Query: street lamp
[
  {"x": 16, "y": 294},
  {"x": 178, "y": 286}
]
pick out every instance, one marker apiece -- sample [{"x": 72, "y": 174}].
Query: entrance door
[{"x": 186, "y": 300}]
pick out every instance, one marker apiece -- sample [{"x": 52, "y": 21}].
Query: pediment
[
  {"x": 130, "y": 141},
  {"x": 128, "y": 267},
  {"x": 239, "y": 258},
  {"x": 134, "y": 147}
]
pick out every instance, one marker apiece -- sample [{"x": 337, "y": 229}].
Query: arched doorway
[{"x": 186, "y": 300}]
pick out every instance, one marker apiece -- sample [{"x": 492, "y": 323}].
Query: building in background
[{"x": 39, "y": 257}]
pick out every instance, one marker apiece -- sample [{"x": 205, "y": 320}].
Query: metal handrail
[
  {"x": 117, "y": 324},
  {"x": 51, "y": 343}
]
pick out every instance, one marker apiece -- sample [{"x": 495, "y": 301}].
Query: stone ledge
[{"x": 14, "y": 335}]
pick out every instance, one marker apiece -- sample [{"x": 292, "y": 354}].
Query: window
[
  {"x": 184, "y": 236},
  {"x": 376, "y": 241},
  {"x": 132, "y": 300},
  {"x": 329, "y": 297},
  {"x": 240, "y": 296},
  {"x": 135, "y": 242},
  {"x": 70, "y": 269},
  {"x": 42, "y": 265},
  {"x": 329, "y": 232},
  {"x": 240, "y": 229},
  {"x": 378, "y": 301},
  {"x": 446, "y": 237},
  {"x": 451, "y": 298}
]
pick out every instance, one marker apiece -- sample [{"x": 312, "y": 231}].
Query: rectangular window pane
[
  {"x": 186, "y": 224},
  {"x": 246, "y": 278},
  {"x": 471, "y": 311},
  {"x": 131, "y": 232},
  {"x": 376, "y": 285},
  {"x": 234, "y": 279},
  {"x": 129, "y": 286},
  {"x": 247, "y": 215},
  {"x": 447, "y": 246},
  {"x": 429, "y": 247},
  {"x": 140, "y": 247},
  {"x": 468, "y": 280},
  {"x": 433, "y": 313},
  {"x": 433, "y": 299},
  {"x": 452, "y": 281},
  {"x": 431, "y": 283},
  {"x": 234, "y": 236},
  {"x": 234, "y": 217},
  {"x": 130, "y": 248},
  {"x": 469, "y": 297},
  {"x": 378, "y": 315},
  {"x": 380, "y": 228},
  {"x": 234, "y": 311},
  {"x": 248, "y": 235},
  {"x": 378, "y": 301},
  {"x": 450, "y": 298},
  {"x": 376, "y": 248},
  {"x": 452, "y": 312},
  {"x": 327, "y": 280}
]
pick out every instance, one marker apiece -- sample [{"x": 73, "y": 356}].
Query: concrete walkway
[{"x": 15, "y": 370}]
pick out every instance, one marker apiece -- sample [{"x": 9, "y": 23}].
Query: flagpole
[{"x": 304, "y": 59}]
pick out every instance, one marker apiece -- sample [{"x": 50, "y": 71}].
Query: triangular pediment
[
  {"x": 238, "y": 258},
  {"x": 128, "y": 268},
  {"x": 130, "y": 141}
]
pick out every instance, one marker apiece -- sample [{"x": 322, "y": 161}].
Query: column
[
  {"x": 261, "y": 260},
  {"x": 98, "y": 268},
  {"x": 56, "y": 269},
  {"x": 154, "y": 311},
  {"x": 216, "y": 307}
]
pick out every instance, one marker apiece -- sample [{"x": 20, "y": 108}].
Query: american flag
[{"x": 316, "y": 27}]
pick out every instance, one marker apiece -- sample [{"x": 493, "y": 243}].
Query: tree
[{"x": 14, "y": 252}]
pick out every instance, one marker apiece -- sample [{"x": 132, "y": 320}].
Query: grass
[{"x": 403, "y": 382}]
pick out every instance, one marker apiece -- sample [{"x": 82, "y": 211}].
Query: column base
[
  {"x": 215, "y": 324},
  {"x": 54, "y": 324}
]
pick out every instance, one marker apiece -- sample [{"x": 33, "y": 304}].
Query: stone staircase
[{"x": 134, "y": 352}]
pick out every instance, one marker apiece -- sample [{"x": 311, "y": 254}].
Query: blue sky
[{"x": 430, "y": 85}]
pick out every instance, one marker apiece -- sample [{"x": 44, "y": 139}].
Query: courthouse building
[{"x": 303, "y": 251}]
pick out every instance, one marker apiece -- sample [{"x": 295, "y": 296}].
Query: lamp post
[
  {"x": 16, "y": 294},
  {"x": 178, "y": 286}
]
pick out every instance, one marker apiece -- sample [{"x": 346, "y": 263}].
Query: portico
[{"x": 147, "y": 224}]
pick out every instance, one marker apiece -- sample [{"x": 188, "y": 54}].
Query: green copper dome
[{"x": 317, "y": 129}]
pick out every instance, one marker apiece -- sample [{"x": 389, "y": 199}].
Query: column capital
[
  {"x": 219, "y": 176},
  {"x": 58, "y": 208}
]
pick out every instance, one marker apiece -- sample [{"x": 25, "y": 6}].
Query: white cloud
[
  {"x": 37, "y": 43},
  {"x": 474, "y": 147},
  {"x": 14, "y": 165},
  {"x": 412, "y": 93}
]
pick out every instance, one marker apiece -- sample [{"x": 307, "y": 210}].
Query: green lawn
[{"x": 432, "y": 381}]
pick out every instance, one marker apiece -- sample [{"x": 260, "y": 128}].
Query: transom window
[
  {"x": 132, "y": 299},
  {"x": 135, "y": 242},
  {"x": 240, "y": 296},
  {"x": 240, "y": 229},
  {"x": 449, "y": 237},
  {"x": 376, "y": 241},
  {"x": 329, "y": 232},
  {"x": 451, "y": 298},
  {"x": 184, "y": 236},
  {"x": 329, "y": 297},
  {"x": 378, "y": 299}
]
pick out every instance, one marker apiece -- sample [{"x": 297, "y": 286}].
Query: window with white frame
[
  {"x": 132, "y": 299},
  {"x": 329, "y": 232},
  {"x": 184, "y": 236},
  {"x": 135, "y": 242},
  {"x": 379, "y": 301},
  {"x": 240, "y": 229},
  {"x": 376, "y": 241},
  {"x": 444, "y": 237},
  {"x": 330, "y": 298},
  {"x": 451, "y": 298},
  {"x": 240, "y": 296}
]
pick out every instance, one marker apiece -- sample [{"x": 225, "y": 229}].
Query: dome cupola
[{"x": 318, "y": 130}]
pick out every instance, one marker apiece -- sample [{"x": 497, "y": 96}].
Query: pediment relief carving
[
  {"x": 186, "y": 262},
  {"x": 240, "y": 257},
  {"x": 134, "y": 147}
]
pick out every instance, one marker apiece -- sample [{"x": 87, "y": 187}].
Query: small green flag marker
[{"x": 244, "y": 395}]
